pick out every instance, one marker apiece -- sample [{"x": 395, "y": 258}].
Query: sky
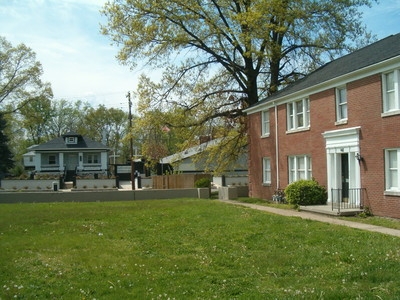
[{"x": 80, "y": 63}]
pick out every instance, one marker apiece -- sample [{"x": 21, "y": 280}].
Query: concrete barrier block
[
  {"x": 227, "y": 193},
  {"x": 203, "y": 193}
]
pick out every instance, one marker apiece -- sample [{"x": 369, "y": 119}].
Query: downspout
[{"x": 276, "y": 147}]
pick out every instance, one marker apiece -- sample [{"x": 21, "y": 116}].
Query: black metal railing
[{"x": 351, "y": 198}]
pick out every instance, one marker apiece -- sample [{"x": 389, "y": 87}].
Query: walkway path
[{"x": 317, "y": 217}]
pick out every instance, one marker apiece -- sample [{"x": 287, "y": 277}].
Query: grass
[
  {"x": 187, "y": 249},
  {"x": 362, "y": 218},
  {"x": 379, "y": 221}
]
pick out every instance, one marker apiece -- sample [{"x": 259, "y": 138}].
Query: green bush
[
  {"x": 306, "y": 192},
  {"x": 203, "y": 183}
]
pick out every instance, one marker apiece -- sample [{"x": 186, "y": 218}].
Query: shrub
[
  {"x": 306, "y": 192},
  {"x": 203, "y": 183},
  {"x": 23, "y": 177}
]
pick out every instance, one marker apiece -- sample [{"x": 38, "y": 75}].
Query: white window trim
[
  {"x": 91, "y": 157},
  {"x": 291, "y": 115},
  {"x": 396, "y": 78},
  {"x": 266, "y": 180},
  {"x": 51, "y": 161},
  {"x": 307, "y": 164},
  {"x": 339, "y": 118},
  {"x": 265, "y": 123},
  {"x": 389, "y": 190},
  {"x": 70, "y": 140}
]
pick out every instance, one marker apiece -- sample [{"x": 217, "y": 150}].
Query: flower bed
[
  {"x": 82, "y": 184},
  {"x": 21, "y": 184}
]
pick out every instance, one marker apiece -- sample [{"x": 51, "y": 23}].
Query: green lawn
[{"x": 187, "y": 249}]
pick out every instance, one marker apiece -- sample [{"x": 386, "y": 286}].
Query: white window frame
[
  {"x": 295, "y": 170},
  {"x": 70, "y": 140},
  {"x": 395, "y": 90},
  {"x": 92, "y": 159},
  {"x": 52, "y": 159},
  {"x": 265, "y": 123},
  {"x": 266, "y": 163},
  {"x": 392, "y": 171},
  {"x": 294, "y": 114},
  {"x": 341, "y": 104}
]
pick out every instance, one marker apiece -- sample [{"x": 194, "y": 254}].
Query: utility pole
[{"x": 131, "y": 141}]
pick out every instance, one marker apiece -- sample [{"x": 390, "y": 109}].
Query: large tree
[
  {"x": 35, "y": 117},
  {"x": 20, "y": 74},
  {"x": 108, "y": 125},
  {"x": 220, "y": 56},
  {"x": 66, "y": 116}
]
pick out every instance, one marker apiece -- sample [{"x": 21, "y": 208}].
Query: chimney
[{"x": 104, "y": 137}]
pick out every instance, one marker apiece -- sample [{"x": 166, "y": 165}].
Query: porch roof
[{"x": 59, "y": 144}]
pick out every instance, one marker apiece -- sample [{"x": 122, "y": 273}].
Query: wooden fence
[{"x": 177, "y": 181}]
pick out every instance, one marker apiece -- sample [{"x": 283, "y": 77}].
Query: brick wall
[{"x": 377, "y": 133}]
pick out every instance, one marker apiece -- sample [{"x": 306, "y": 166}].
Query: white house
[
  {"x": 29, "y": 159},
  {"x": 70, "y": 154},
  {"x": 186, "y": 161}
]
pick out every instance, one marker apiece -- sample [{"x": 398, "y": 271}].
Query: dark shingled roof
[
  {"x": 58, "y": 144},
  {"x": 379, "y": 51}
]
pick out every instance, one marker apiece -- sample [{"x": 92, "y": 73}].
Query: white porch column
[
  {"x": 104, "y": 161},
  {"x": 330, "y": 179},
  {"x": 80, "y": 161},
  {"x": 38, "y": 161},
  {"x": 61, "y": 161}
]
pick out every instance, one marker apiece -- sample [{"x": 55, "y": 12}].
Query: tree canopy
[
  {"x": 20, "y": 74},
  {"x": 218, "y": 57},
  {"x": 6, "y": 157}
]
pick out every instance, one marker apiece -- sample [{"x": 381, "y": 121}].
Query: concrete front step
[
  {"x": 68, "y": 185},
  {"x": 327, "y": 210}
]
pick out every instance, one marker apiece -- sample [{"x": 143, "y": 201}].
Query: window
[
  {"x": 52, "y": 159},
  {"x": 298, "y": 114},
  {"x": 70, "y": 140},
  {"x": 341, "y": 104},
  {"x": 265, "y": 123},
  {"x": 299, "y": 168},
  {"x": 391, "y": 101},
  {"x": 392, "y": 169},
  {"x": 266, "y": 170},
  {"x": 93, "y": 159}
]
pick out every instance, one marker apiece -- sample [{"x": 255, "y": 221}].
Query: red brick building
[{"x": 339, "y": 125}]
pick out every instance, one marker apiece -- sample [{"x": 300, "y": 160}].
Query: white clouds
[
  {"x": 77, "y": 60},
  {"x": 383, "y": 18},
  {"x": 80, "y": 63}
]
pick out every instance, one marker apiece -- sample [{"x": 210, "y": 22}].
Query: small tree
[{"x": 306, "y": 192}]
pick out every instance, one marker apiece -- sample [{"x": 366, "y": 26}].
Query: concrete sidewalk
[{"x": 317, "y": 217}]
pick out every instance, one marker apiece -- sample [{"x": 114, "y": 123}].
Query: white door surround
[{"x": 343, "y": 169}]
